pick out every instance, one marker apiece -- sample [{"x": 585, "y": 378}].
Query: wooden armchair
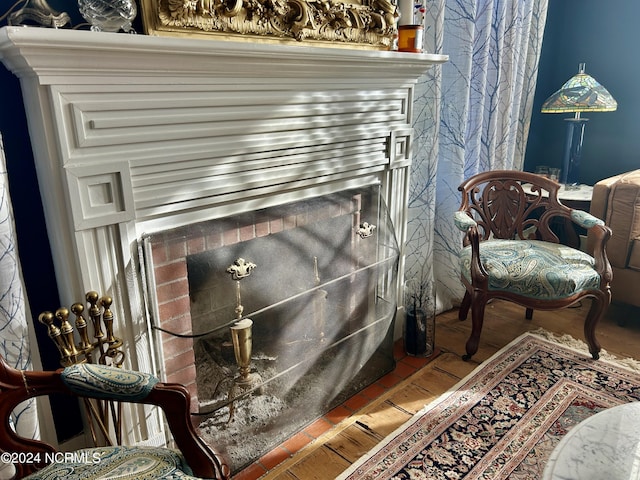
[
  {"x": 510, "y": 251},
  {"x": 105, "y": 382}
]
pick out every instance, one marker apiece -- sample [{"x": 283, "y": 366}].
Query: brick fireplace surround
[{"x": 135, "y": 134}]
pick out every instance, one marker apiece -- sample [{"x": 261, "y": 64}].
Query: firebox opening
[{"x": 316, "y": 295}]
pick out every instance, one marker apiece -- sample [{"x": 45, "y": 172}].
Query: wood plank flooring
[{"x": 361, "y": 429}]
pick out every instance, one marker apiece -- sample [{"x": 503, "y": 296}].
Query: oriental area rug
[{"x": 503, "y": 420}]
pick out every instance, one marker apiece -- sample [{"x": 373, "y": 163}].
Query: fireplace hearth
[{"x": 314, "y": 283}]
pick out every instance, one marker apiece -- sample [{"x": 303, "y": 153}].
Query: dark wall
[
  {"x": 602, "y": 35},
  {"x": 33, "y": 243}
]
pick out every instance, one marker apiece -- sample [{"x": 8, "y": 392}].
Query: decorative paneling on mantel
[{"x": 134, "y": 134}]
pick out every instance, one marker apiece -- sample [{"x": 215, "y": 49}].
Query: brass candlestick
[
  {"x": 241, "y": 335},
  {"x": 242, "y": 346}
]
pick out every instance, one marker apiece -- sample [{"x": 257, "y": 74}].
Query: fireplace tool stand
[
  {"x": 104, "y": 417},
  {"x": 241, "y": 335}
]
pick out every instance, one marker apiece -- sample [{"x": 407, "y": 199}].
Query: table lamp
[{"x": 581, "y": 93}]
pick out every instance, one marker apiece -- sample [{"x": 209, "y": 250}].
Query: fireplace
[
  {"x": 137, "y": 137},
  {"x": 320, "y": 298}
]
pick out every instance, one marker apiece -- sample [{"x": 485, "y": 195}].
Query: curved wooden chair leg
[
  {"x": 464, "y": 306},
  {"x": 596, "y": 312},
  {"x": 477, "y": 318},
  {"x": 528, "y": 313}
]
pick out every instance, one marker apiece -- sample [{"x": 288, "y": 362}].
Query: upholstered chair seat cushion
[
  {"x": 534, "y": 268},
  {"x": 141, "y": 463}
]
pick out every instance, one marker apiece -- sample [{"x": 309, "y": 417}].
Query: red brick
[
  {"x": 389, "y": 380},
  {"x": 276, "y": 225},
  {"x": 169, "y": 291},
  {"x": 230, "y": 236},
  {"x": 338, "y": 414},
  {"x": 252, "y": 472},
  {"x": 262, "y": 229},
  {"x": 356, "y": 402},
  {"x": 274, "y": 458},
  {"x": 214, "y": 239},
  {"x": 180, "y": 324},
  {"x": 246, "y": 232},
  {"x": 179, "y": 362},
  {"x": 356, "y": 206},
  {"x": 159, "y": 253},
  {"x": 174, "y": 309},
  {"x": 297, "y": 442},
  {"x": 318, "y": 427},
  {"x": 170, "y": 272},
  {"x": 184, "y": 376},
  {"x": 196, "y": 245},
  {"x": 176, "y": 249},
  {"x": 173, "y": 346},
  {"x": 289, "y": 222},
  {"x": 373, "y": 391},
  {"x": 403, "y": 370}
]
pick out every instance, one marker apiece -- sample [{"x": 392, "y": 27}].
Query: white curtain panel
[
  {"x": 471, "y": 114},
  {"x": 14, "y": 332}
]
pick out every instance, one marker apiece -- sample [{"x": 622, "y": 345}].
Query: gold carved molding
[{"x": 365, "y": 24}]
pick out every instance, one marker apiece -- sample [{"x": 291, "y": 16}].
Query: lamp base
[{"x": 570, "y": 173}]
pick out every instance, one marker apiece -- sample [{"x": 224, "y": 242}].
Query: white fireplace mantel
[{"x": 133, "y": 134}]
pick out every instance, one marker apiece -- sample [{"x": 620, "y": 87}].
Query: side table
[
  {"x": 604, "y": 446},
  {"x": 578, "y": 198}
]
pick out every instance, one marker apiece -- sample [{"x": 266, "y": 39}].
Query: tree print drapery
[
  {"x": 14, "y": 331},
  {"x": 471, "y": 114}
]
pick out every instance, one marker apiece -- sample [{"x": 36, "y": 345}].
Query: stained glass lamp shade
[{"x": 581, "y": 93}]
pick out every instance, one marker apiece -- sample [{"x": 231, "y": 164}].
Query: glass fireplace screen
[{"x": 290, "y": 309}]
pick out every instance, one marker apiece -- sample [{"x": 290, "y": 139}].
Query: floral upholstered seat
[
  {"x": 141, "y": 463},
  {"x": 510, "y": 251},
  {"x": 530, "y": 268}
]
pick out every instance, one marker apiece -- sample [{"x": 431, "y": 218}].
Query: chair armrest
[
  {"x": 111, "y": 383},
  {"x": 601, "y": 235},
  {"x": 584, "y": 219},
  {"x": 463, "y": 221},
  {"x": 108, "y": 383}
]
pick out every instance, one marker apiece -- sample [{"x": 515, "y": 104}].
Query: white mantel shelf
[
  {"x": 133, "y": 134},
  {"x": 48, "y": 53}
]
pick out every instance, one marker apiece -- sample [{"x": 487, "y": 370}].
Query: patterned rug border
[{"x": 564, "y": 340}]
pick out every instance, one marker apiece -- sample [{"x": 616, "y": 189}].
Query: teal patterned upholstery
[
  {"x": 584, "y": 219},
  {"x": 463, "y": 221},
  {"x": 140, "y": 463},
  {"x": 531, "y": 268},
  {"x": 102, "y": 381}
]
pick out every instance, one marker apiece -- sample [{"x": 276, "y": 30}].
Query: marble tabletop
[
  {"x": 605, "y": 446},
  {"x": 579, "y": 192}
]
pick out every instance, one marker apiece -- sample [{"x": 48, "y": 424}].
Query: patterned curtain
[
  {"x": 471, "y": 114},
  {"x": 14, "y": 332}
]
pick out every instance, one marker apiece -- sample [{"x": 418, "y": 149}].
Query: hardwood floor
[{"x": 364, "y": 421}]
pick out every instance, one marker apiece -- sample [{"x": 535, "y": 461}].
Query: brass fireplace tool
[
  {"x": 241, "y": 335},
  {"x": 104, "y": 348}
]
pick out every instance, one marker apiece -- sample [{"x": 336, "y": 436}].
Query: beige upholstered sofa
[{"x": 616, "y": 200}]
